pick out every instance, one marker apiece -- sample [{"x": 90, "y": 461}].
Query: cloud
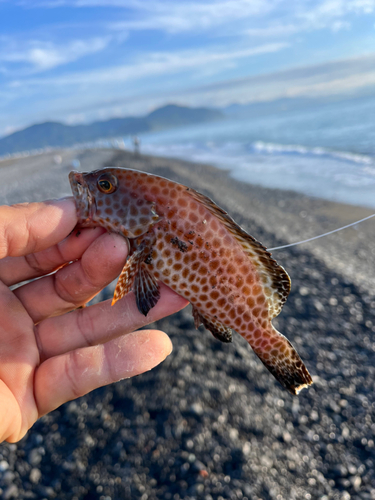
[
  {"x": 159, "y": 63},
  {"x": 340, "y": 25},
  {"x": 169, "y": 15},
  {"x": 347, "y": 76},
  {"x": 326, "y": 13},
  {"x": 311, "y": 15},
  {"x": 9, "y": 130},
  {"x": 175, "y": 17},
  {"x": 160, "y": 73},
  {"x": 344, "y": 77},
  {"x": 273, "y": 31},
  {"x": 257, "y": 16},
  {"x": 41, "y": 56}
]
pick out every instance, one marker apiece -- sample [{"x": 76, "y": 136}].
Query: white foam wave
[{"x": 271, "y": 148}]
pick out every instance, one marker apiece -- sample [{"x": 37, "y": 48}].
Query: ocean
[{"x": 323, "y": 150}]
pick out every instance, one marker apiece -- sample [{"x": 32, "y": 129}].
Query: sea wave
[
  {"x": 335, "y": 175},
  {"x": 193, "y": 149},
  {"x": 271, "y": 148}
]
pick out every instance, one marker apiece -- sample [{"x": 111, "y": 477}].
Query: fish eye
[{"x": 107, "y": 183}]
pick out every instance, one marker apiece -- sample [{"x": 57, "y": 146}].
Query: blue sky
[{"x": 83, "y": 60}]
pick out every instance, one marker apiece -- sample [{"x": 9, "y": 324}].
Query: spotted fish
[{"x": 183, "y": 239}]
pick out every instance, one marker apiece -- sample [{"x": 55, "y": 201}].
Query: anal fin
[
  {"x": 218, "y": 330},
  {"x": 146, "y": 290}
]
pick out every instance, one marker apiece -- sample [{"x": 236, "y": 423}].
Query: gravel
[{"x": 210, "y": 422}]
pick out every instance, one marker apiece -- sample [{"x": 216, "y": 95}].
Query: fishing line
[{"x": 320, "y": 235}]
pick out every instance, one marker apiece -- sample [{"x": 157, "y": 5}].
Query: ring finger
[{"x": 100, "y": 323}]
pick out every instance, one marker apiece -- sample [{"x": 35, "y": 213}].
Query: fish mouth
[{"x": 84, "y": 200}]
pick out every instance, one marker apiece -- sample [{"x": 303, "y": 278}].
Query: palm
[
  {"x": 48, "y": 357},
  {"x": 19, "y": 358}
]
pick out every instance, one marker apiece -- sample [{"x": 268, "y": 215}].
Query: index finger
[{"x": 31, "y": 227}]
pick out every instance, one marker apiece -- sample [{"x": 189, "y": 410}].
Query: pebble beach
[{"x": 210, "y": 422}]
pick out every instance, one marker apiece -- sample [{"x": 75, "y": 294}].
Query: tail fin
[{"x": 282, "y": 360}]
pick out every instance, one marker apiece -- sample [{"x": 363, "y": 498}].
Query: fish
[{"x": 180, "y": 237}]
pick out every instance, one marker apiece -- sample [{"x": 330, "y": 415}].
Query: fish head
[
  {"x": 105, "y": 198},
  {"x": 94, "y": 192}
]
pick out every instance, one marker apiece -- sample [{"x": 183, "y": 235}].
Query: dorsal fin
[{"x": 275, "y": 279}]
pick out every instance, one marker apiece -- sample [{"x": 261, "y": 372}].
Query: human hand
[{"x": 48, "y": 357}]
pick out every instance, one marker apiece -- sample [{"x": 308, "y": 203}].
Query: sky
[{"x": 78, "y": 61}]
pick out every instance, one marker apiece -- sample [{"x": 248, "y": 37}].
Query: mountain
[
  {"x": 57, "y": 134},
  {"x": 180, "y": 116}
]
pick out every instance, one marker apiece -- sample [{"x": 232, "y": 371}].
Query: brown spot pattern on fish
[{"x": 182, "y": 238}]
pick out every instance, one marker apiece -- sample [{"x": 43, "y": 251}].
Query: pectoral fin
[
  {"x": 127, "y": 279},
  {"x": 218, "y": 330},
  {"x": 146, "y": 290}
]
